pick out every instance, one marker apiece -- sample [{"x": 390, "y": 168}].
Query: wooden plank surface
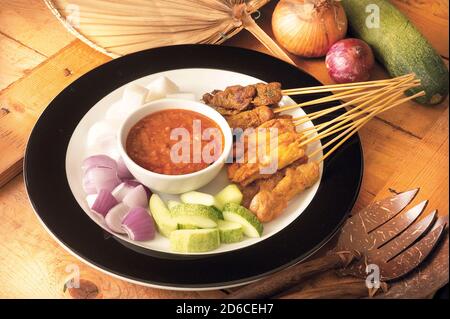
[
  {"x": 408, "y": 147},
  {"x": 33, "y": 265},
  {"x": 23, "y": 101},
  {"x": 30, "y": 23},
  {"x": 16, "y": 60}
]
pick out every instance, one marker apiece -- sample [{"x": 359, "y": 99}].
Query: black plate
[{"x": 56, "y": 206}]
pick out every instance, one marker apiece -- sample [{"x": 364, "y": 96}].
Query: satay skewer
[
  {"x": 352, "y": 114},
  {"x": 357, "y": 125},
  {"x": 359, "y": 93},
  {"x": 342, "y": 87},
  {"x": 367, "y": 96}
]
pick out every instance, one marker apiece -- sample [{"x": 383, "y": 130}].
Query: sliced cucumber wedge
[
  {"x": 164, "y": 221},
  {"x": 251, "y": 226},
  {"x": 187, "y": 226},
  {"x": 198, "y": 198},
  {"x": 195, "y": 215},
  {"x": 230, "y": 232},
  {"x": 230, "y": 194},
  {"x": 192, "y": 222},
  {"x": 218, "y": 212},
  {"x": 172, "y": 203},
  {"x": 194, "y": 240}
]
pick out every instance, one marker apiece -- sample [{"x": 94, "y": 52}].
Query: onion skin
[
  {"x": 309, "y": 28},
  {"x": 139, "y": 225},
  {"x": 350, "y": 60}
]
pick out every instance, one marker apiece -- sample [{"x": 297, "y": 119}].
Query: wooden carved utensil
[{"x": 380, "y": 234}]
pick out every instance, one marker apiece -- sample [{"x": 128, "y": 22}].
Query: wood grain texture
[
  {"x": 16, "y": 60},
  {"x": 32, "y": 24},
  {"x": 33, "y": 265},
  {"x": 431, "y": 19},
  {"x": 24, "y": 101}
]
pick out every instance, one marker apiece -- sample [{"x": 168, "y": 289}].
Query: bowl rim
[{"x": 190, "y": 105}]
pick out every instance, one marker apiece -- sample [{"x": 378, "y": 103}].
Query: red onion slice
[
  {"x": 104, "y": 202},
  {"x": 90, "y": 199},
  {"x": 122, "y": 170},
  {"x": 88, "y": 186},
  {"x": 115, "y": 216},
  {"x": 98, "y": 161},
  {"x": 123, "y": 189},
  {"x": 139, "y": 225},
  {"x": 137, "y": 197},
  {"x": 102, "y": 178}
]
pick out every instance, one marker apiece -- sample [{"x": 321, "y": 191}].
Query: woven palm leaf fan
[{"x": 119, "y": 27}]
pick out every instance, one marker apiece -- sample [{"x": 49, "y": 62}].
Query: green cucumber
[
  {"x": 198, "y": 198},
  {"x": 194, "y": 240},
  {"x": 400, "y": 47},
  {"x": 195, "y": 215},
  {"x": 230, "y": 232},
  {"x": 218, "y": 212},
  {"x": 192, "y": 222},
  {"x": 172, "y": 203},
  {"x": 251, "y": 226},
  {"x": 162, "y": 216},
  {"x": 230, "y": 194}
]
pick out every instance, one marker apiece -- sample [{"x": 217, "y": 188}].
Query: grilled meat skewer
[
  {"x": 250, "y": 119},
  {"x": 237, "y": 98},
  {"x": 270, "y": 203},
  {"x": 269, "y": 183}
]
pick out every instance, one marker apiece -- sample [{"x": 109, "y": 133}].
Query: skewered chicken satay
[
  {"x": 237, "y": 98},
  {"x": 250, "y": 119},
  {"x": 251, "y": 190},
  {"x": 270, "y": 203},
  {"x": 281, "y": 124},
  {"x": 283, "y": 150}
]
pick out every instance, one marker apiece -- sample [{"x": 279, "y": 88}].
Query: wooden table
[{"x": 405, "y": 148}]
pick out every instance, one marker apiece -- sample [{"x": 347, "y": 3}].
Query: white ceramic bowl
[{"x": 174, "y": 184}]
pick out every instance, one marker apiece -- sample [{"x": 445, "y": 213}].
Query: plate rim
[{"x": 183, "y": 286}]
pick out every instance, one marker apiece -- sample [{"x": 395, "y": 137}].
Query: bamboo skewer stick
[
  {"x": 352, "y": 124},
  {"x": 326, "y": 99},
  {"x": 360, "y": 124},
  {"x": 364, "y": 93},
  {"x": 338, "y": 96},
  {"x": 333, "y": 87},
  {"x": 374, "y": 95},
  {"x": 350, "y": 115}
]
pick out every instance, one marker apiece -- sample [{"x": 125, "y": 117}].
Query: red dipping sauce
[{"x": 175, "y": 142}]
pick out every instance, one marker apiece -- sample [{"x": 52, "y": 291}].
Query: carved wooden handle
[
  {"x": 292, "y": 276},
  {"x": 355, "y": 289}
]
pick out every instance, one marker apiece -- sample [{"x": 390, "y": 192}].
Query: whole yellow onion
[{"x": 309, "y": 27}]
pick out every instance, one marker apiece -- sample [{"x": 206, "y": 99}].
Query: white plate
[{"x": 197, "y": 81}]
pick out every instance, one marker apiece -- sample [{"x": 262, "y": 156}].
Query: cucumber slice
[
  {"x": 194, "y": 240},
  {"x": 198, "y": 198},
  {"x": 218, "y": 212},
  {"x": 230, "y": 194},
  {"x": 172, "y": 203},
  {"x": 230, "y": 232},
  {"x": 251, "y": 226},
  {"x": 187, "y": 226},
  {"x": 194, "y": 215},
  {"x": 192, "y": 222},
  {"x": 164, "y": 221}
]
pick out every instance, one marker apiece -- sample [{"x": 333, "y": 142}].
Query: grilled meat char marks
[
  {"x": 252, "y": 118},
  {"x": 232, "y": 100},
  {"x": 237, "y": 98},
  {"x": 267, "y": 94}
]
